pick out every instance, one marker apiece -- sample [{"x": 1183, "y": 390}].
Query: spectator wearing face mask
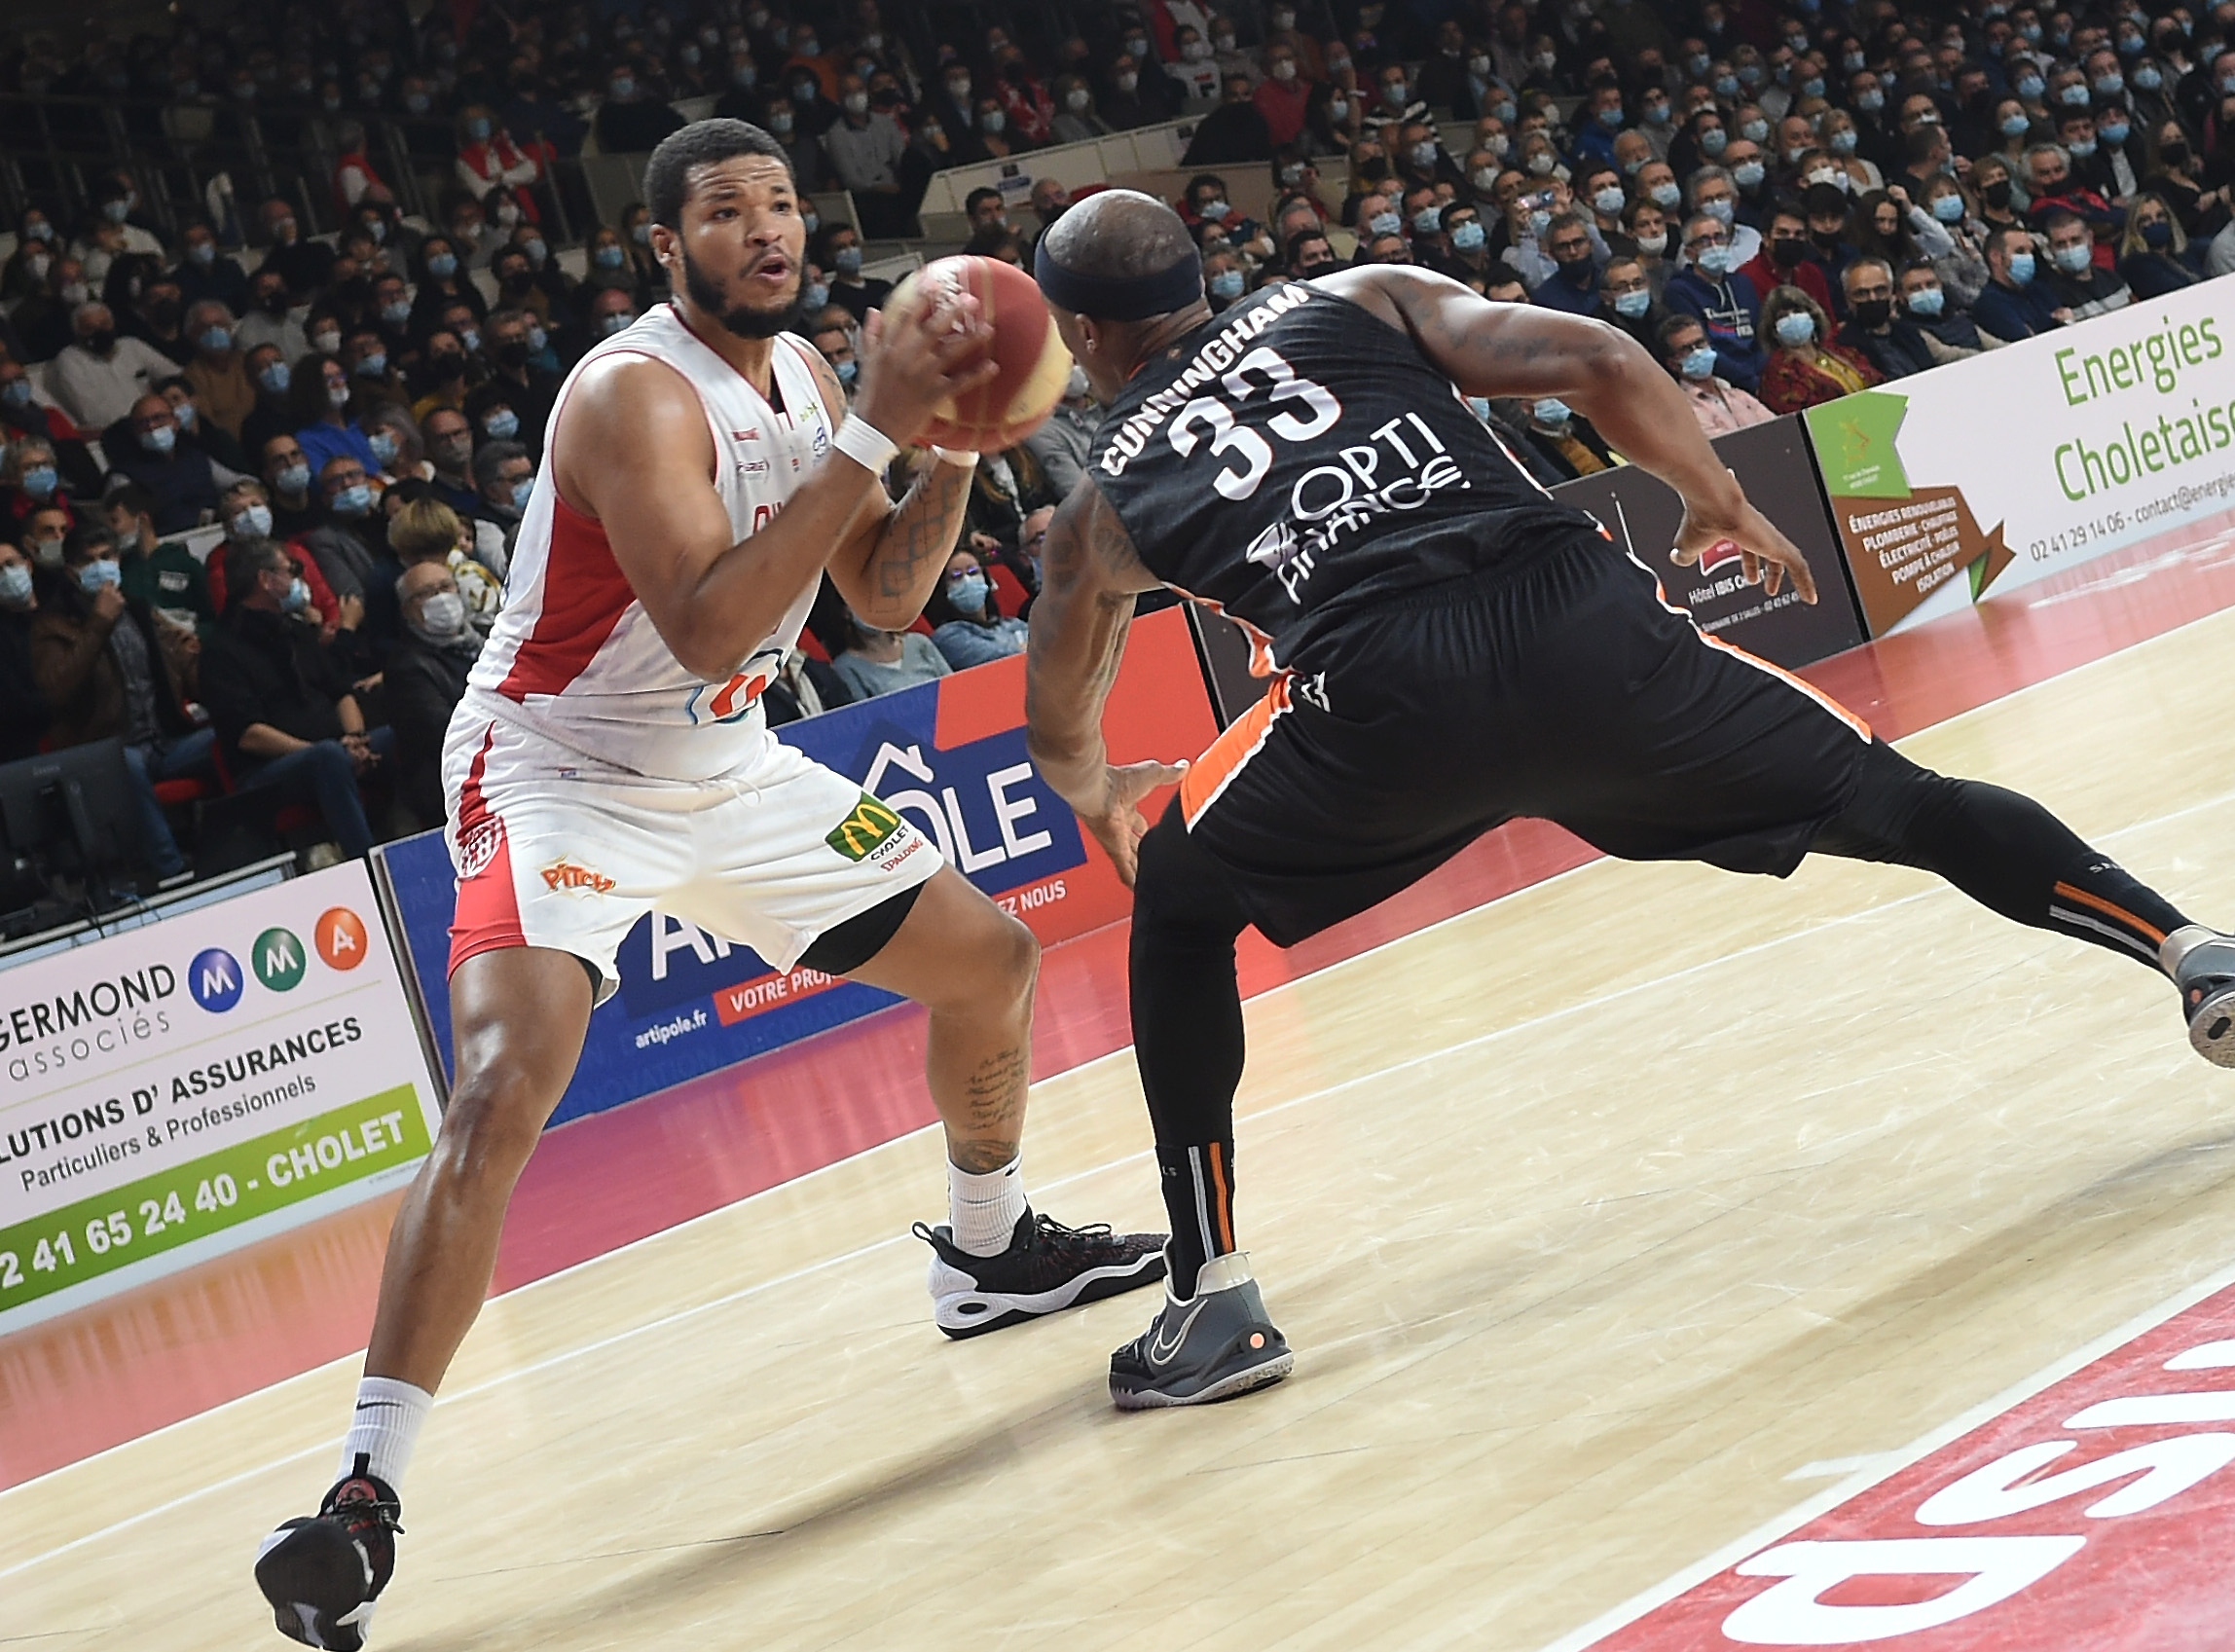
[
  {"x": 1721, "y": 407},
  {"x": 1787, "y": 256},
  {"x": 104, "y": 674},
  {"x": 283, "y": 710},
  {"x": 832, "y": 333},
  {"x": 247, "y": 514},
  {"x": 2055, "y": 190},
  {"x": 1627, "y": 304},
  {"x": 217, "y": 374},
  {"x": 96, "y": 380},
  {"x": 504, "y": 476},
  {"x": 871, "y": 662},
  {"x": 291, "y": 487},
  {"x": 303, "y": 264},
  {"x": 1806, "y": 365},
  {"x": 529, "y": 390},
  {"x": 631, "y": 121},
  {"x": 447, "y": 435},
  {"x": 320, "y": 398},
  {"x": 488, "y": 157},
  {"x": 424, "y": 680},
  {"x": 1233, "y": 133},
  {"x": 425, "y": 530},
  {"x": 30, "y": 483},
  {"x": 204, "y": 274},
  {"x": 1875, "y": 330},
  {"x": 865, "y": 148},
  {"x": 2017, "y": 303},
  {"x": 1060, "y": 446},
  {"x": 2153, "y": 253},
  {"x": 838, "y": 249},
  {"x": 1467, "y": 260},
  {"x": 178, "y": 479},
  {"x": 23, "y": 716},
  {"x": 160, "y": 573},
  {"x": 1573, "y": 285},
  {"x": 2075, "y": 281},
  {"x": 1949, "y": 334},
  {"x": 1563, "y": 442},
  {"x": 1708, "y": 287},
  {"x": 967, "y": 627},
  {"x": 25, "y": 419}
]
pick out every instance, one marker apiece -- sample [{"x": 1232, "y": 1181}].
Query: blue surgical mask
[
  {"x": 538, "y": 250},
  {"x": 1928, "y": 302},
  {"x": 1631, "y": 307},
  {"x": 1841, "y": 143},
  {"x": 2147, "y": 79},
  {"x": 624, "y": 87},
  {"x": 1658, "y": 113},
  {"x": 1748, "y": 175},
  {"x": 1725, "y": 86},
  {"x": 98, "y": 575},
  {"x": 293, "y": 479},
  {"x": 1870, "y": 102},
  {"x": 41, "y": 481},
  {"x": 1714, "y": 140},
  {"x": 2074, "y": 95},
  {"x": 501, "y": 426},
  {"x": 477, "y": 128},
  {"x": 2114, "y": 132},
  {"x": 847, "y": 259},
  {"x": 254, "y": 522},
  {"x": 1665, "y": 196},
  {"x": 1385, "y": 224},
  {"x": 1813, "y": 86},
  {"x": 1755, "y": 131},
  {"x": 521, "y": 491},
  {"x": 1551, "y": 411},
  {"x": 297, "y": 599},
  {"x": 469, "y": 337},
  {"x": 1226, "y": 284},
  {"x": 1948, "y": 209},
  {"x": 2029, "y": 87},
  {"x": 2021, "y": 267},
  {"x": 1724, "y": 213},
  {"x": 373, "y": 365},
  {"x": 275, "y": 379},
  {"x": 2082, "y": 149},
  {"x": 1795, "y": 327},
  {"x": 815, "y": 294},
  {"x": 968, "y": 593},
  {"x": 356, "y": 499},
  {"x": 15, "y": 584},
  {"x": 383, "y": 446},
  {"x": 1428, "y": 220},
  {"x": 185, "y": 415},
  {"x": 2110, "y": 86},
  {"x": 1715, "y": 260},
  {"x": 2073, "y": 260},
  {"x": 397, "y": 314},
  {"x": 442, "y": 266},
  {"x": 1468, "y": 237},
  {"x": 609, "y": 257},
  {"x": 848, "y": 372},
  {"x": 216, "y": 340},
  {"x": 161, "y": 440},
  {"x": 17, "y": 393},
  {"x": 537, "y": 338},
  {"x": 1608, "y": 200},
  {"x": 1699, "y": 364}
]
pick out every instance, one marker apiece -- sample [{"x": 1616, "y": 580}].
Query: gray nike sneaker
[
  {"x": 1216, "y": 1344},
  {"x": 2201, "y": 965}
]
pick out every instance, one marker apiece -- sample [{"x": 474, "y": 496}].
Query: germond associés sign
[
  {"x": 1978, "y": 478},
  {"x": 184, "y": 1088}
]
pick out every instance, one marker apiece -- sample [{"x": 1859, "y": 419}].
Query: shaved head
[{"x": 1119, "y": 233}]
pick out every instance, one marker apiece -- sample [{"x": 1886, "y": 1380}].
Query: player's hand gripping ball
[{"x": 1026, "y": 348}]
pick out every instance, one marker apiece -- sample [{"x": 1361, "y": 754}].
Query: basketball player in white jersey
[{"x": 611, "y": 756}]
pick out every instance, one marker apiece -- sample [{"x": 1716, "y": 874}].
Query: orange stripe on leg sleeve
[
  {"x": 1226, "y": 1211},
  {"x": 2113, "y": 911}
]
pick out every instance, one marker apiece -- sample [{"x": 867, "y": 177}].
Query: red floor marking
[
  {"x": 88, "y": 1380},
  {"x": 2095, "y": 1513}
]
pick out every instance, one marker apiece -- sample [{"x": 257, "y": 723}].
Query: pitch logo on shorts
[
  {"x": 865, "y": 830},
  {"x": 572, "y": 878}
]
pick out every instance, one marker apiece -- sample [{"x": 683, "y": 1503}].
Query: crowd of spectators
[{"x": 1783, "y": 200}]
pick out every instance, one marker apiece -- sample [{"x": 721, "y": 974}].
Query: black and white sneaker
[
  {"x": 323, "y": 1573},
  {"x": 1216, "y": 1344},
  {"x": 2201, "y": 965},
  {"x": 1046, "y": 1269}
]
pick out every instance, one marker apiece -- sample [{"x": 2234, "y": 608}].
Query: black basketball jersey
[{"x": 1297, "y": 458}]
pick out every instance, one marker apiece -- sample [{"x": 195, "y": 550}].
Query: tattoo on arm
[{"x": 923, "y": 528}]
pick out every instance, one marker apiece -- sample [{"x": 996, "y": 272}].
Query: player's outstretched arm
[
  {"x": 632, "y": 449},
  {"x": 1513, "y": 349},
  {"x": 1089, "y": 577}
]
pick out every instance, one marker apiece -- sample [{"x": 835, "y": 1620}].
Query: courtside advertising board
[
  {"x": 188, "y": 1087},
  {"x": 947, "y": 757},
  {"x": 1983, "y": 476}
]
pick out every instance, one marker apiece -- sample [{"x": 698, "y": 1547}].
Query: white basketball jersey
[{"x": 574, "y": 654}]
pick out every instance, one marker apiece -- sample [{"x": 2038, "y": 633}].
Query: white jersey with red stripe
[{"x": 574, "y": 657}]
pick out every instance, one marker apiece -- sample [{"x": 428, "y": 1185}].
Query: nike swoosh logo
[{"x": 1162, "y": 1353}]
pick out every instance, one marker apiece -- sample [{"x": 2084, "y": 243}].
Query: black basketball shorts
[{"x": 1568, "y": 689}]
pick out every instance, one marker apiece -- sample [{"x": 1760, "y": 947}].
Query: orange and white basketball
[{"x": 1034, "y": 364}]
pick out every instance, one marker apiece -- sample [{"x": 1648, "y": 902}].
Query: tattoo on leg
[{"x": 995, "y": 1092}]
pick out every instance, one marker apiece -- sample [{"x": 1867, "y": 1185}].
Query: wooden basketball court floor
[{"x": 1607, "y": 1220}]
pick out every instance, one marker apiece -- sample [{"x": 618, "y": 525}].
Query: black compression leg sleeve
[
  {"x": 2004, "y": 851},
  {"x": 1187, "y": 1037}
]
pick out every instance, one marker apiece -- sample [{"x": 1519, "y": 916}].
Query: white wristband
[
  {"x": 964, "y": 458},
  {"x": 865, "y": 444}
]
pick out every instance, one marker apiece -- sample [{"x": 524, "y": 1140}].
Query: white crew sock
[
  {"x": 984, "y": 1210},
  {"x": 384, "y": 1429}
]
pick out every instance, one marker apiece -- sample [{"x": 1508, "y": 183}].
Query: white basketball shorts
[{"x": 556, "y": 849}]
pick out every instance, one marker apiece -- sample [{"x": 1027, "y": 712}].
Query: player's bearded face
[{"x": 712, "y": 297}]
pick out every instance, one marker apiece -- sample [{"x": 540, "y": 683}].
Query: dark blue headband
[{"x": 1119, "y": 298}]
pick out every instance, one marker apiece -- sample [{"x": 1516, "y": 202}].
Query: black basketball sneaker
[
  {"x": 322, "y": 1574},
  {"x": 1216, "y": 1344},
  {"x": 1046, "y": 1269},
  {"x": 2201, "y": 965}
]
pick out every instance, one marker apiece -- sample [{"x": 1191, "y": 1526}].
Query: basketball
[{"x": 1034, "y": 364}]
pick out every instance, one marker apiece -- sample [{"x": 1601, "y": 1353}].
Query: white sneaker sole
[
  {"x": 961, "y": 1310},
  {"x": 1228, "y": 1388}
]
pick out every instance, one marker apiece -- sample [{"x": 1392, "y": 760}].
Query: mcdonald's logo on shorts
[{"x": 859, "y": 834}]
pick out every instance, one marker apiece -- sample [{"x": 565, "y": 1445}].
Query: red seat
[
  {"x": 291, "y": 818},
  {"x": 1007, "y": 588},
  {"x": 811, "y": 647},
  {"x": 179, "y": 794}
]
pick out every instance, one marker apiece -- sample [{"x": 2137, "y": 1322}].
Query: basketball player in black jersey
[{"x": 1450, "y": 646}]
